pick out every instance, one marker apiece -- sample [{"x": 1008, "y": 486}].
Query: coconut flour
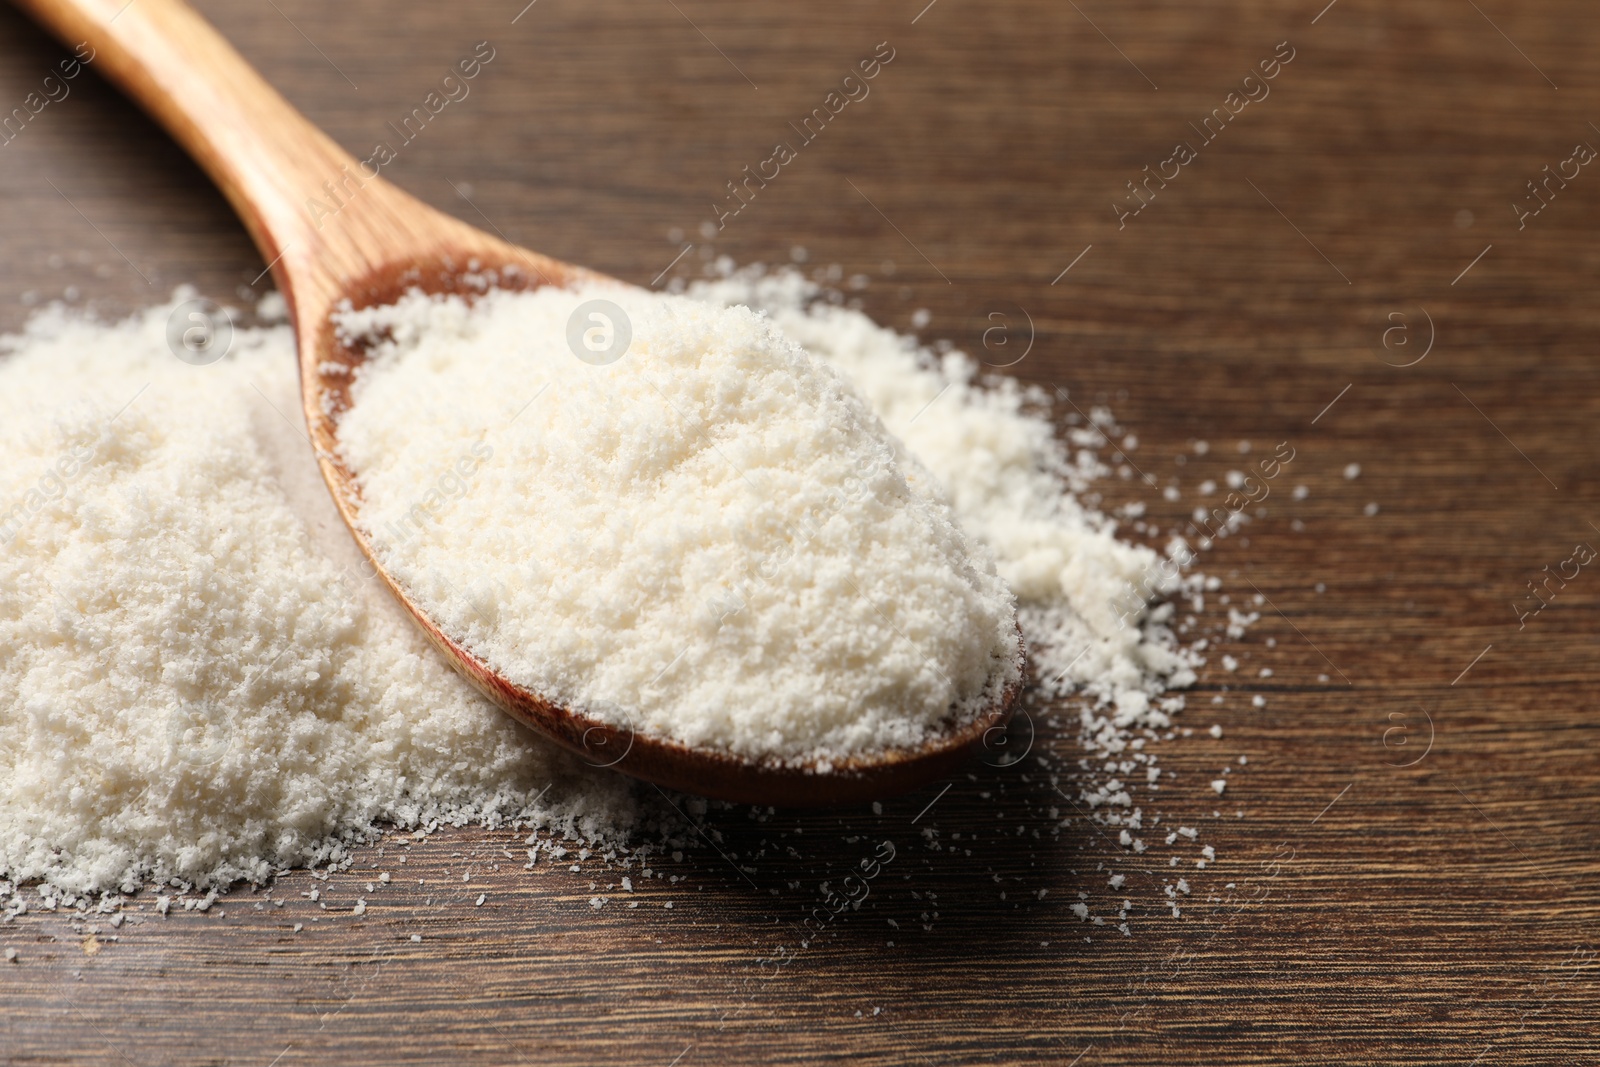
[{"x": 199, "y": 680}]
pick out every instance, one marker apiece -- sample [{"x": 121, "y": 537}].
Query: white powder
[
  {"x": 709, "y": 539},
  {"x": 197, "y": 680},
  {"x": 1082, "y": 592}
]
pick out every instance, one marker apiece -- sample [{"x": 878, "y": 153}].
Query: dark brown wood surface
[{"x": 1358, "y": 911}]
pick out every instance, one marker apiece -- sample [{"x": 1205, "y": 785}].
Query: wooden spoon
[{"x": 380, "y": 242}]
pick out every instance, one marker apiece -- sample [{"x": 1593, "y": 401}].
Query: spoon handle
[{"x": 269, "y": 161}]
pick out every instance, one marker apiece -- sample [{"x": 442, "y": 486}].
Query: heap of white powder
[
  {"x": 200, "y": 681},
  {"x": 1082, "y": 591},
  {"x": 709, "y": 538}
]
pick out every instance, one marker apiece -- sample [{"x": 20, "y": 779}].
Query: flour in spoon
[{"x": 701, "y": 533}]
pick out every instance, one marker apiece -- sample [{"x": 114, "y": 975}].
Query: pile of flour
[
  {"x": 708, "y": 537},
  {"x": 200, "y": 681}
]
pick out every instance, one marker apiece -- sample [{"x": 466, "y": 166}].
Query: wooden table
[{"x": 1383, "y": 909}]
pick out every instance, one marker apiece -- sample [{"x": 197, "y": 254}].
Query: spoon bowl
[{"x": 338, "y": 237}]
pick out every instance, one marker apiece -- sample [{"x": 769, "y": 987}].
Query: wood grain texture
[{"x": 1444, "y": 912}]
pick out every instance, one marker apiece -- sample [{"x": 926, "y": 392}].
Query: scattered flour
[{"x": 710, "y": 538}]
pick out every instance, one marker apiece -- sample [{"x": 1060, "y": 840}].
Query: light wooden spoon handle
[{"x": 264, "y": 155}]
